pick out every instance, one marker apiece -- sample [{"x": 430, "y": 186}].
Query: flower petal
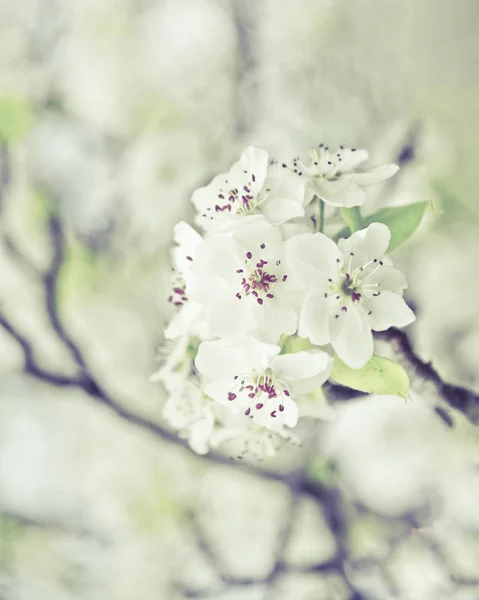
[
  {"x": 299, "y": 365},
  {"x": 280, "y": 209},
  {"x": 390, "y": 279},
  {"x": 303, "y": 371},
  {"x": 207, "y": 196},
  {"x": 373, "y": 175},
  {"x": 180, "y": 324},
  {"x": 274, "y": 318},
  {"x": 230, "y": 316},
  {"x": 351, "y": 158},
  {"x": 251, "y": 169},
  {"x": 314, "y": 318},
  {"x": 388, "y": 310},
  {"x": 229, "y": 357},
  {"x": 341, "y": 192},
  {"x": 199, "y": 433},
  {"x": 351, "y": 338},
  {"x": 365, "y": 245},
  {"x": 312, "y": 259}
]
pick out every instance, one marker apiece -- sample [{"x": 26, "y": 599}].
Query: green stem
[
  {"x": 321, "y": 216},
  {"x": 353, "y": 218}
]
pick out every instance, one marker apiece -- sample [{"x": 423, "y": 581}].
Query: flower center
[
  {"x": 178, "y": 295},
  {"x": 349, "y": 288},
  {"x": 258, "y": 279},
  {"x": 261, "y": 391},
  {"x": 244, "y": 201}
]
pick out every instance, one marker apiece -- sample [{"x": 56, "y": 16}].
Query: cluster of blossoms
[{"x": 264, "y": 300}]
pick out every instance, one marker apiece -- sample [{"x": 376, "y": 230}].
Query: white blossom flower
[
  {"x": 252, "y": 378},
  {"x": 187, "y": 409},
  {"x": 242, "y": 281},
  {"x": 188, "y": 313},
  {"x": 252, "y": 187},
  {"x": 189, "y": 412},
  {"x": 242, "y": 437},
  {"x": 334, "y": 175},
  {"x": 351, "y": 290}
]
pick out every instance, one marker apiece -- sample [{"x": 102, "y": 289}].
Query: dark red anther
[
  {"x": 259, "y": 406},
  {"x": 231, "y": 396},
  {"x": 281, "y": 408},
  {"x": 285, "y": 392},
  {"x": 249, "y": 255}
]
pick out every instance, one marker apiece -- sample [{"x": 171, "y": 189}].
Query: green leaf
[
  {"x": 291, "y": 344},
  {"x": 378, "y": 376},
  {"x": 401, "y": 220},
  {"x": 15, "y": 119},
  {"x": 353, "y": 218}
]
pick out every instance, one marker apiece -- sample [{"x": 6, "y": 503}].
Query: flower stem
[
  {"x": 321, "y": 216},
  {"x": 353, "y": 218}
]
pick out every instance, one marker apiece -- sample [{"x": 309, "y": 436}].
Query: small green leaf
[
  {"x": 401, "y": 220},
  {"x": 15, "y": 119},
  {"x": 291, "y": 344},
  {"x": 378, "y": 376},
  {"x": 353, "y": 218}
]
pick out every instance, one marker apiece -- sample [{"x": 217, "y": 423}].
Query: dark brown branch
[{"x": 458, "y": 397}]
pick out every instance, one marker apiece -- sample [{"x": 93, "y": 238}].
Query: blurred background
[{"x": 111, "y": 113}]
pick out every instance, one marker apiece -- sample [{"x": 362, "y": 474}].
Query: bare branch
[{"x": 458, "y": 397}]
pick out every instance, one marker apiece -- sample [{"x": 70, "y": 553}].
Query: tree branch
[{"x": 457, "y": 397}]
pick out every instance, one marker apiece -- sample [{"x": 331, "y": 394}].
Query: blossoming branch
[{"x": 270, "y": 302}]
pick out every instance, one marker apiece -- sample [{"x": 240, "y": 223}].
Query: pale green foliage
[
  {"x": 378, "y": 376},
  {"x": 403, "y": 221},
  {"x": 15, "y": 119}
]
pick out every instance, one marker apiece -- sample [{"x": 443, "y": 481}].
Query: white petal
[
  {"x": 373, "y": 175},
  {"x": 390, "y": 279},
  {"x": 351, "y": 338},
  {"x": 312, "y": 259},
  {"x": 219, "y": 389},
  {"x": 314, "y": 318},
  {"x": 280, "y": 209},
  {"x": 352, "y": 158},
  {"x": 180, "y": 324},
  {"x": 365, "y": 245},
  {"x": 286, "y": 184},
  {"x": 251, "y": 169},
  {"x": 388, "y": 310},
  {"x": 306, "y": 386},
  {"x": 341, "y": 192},
  {"x": 220, "y": 255},
  {"x": 273, "y": 319},
  {"x": 315, "y": 406},
  {"x": 229, "y": 357},
  {"x": 300, "y": 365},
  {"x": 185, "y": 235},
  {"x": 230, "y": 316},
  {"x": 251, "y": 235},
  {"x": 207, "y": 196},
  {"x": 200, "y": 433}
]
